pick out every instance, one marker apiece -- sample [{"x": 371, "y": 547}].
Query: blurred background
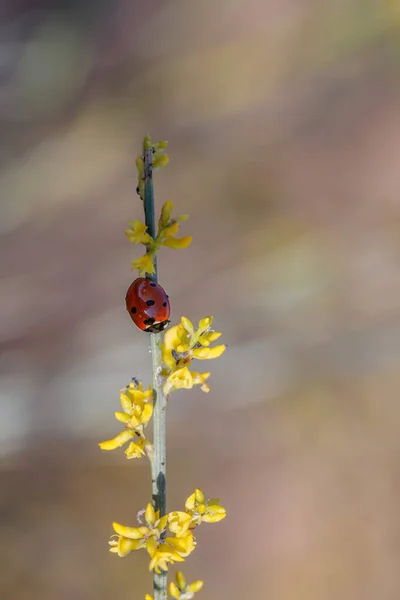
[{"x": 284, "y": 126}]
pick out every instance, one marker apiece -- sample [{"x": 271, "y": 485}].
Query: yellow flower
[
  {"x": 200, "y": 510},
  {"x": 172, "y": 340},
  {"x": 181, "y": 344},
  {"x": 144, "y": 264},
  {"x": 148, "y": 597},
  {"x": 123, "y": 546},
  {"x": 134, "y": 538},
  {"x": 181, "y": 591},
  {"x": 137, "y": 406},
  {"x": 168, "y": 229},
  {"x": 137, "y": 233},
  {"x": 184, "y": 544},
  {"x": 179, "y": 379},
  {"x": 161, "y": 555},
  {"x": 170, "y": 550},
  {"x": 162, "y": 551},
  {"x": 179, "y": 522},
  {"x": 136, "y": 449}
]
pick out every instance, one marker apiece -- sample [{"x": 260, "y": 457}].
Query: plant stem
[{"x": 158, "y": 464}]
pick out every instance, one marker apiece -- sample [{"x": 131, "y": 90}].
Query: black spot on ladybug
[
  {"x": 153, "y": 284},
  {"x": 133, "y": 310},
  {"x": 150, "y": 302},
  {"x": 149, "y": 321},
  {"x": 164, "y": 304}
]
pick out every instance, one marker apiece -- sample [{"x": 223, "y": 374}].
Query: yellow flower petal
[
  {"x": 163, "y": 144},
  {"x": 144, "y": 265},
  {"x": 184, "y": 545},
  {"x": 162, "y": 524},
  {"x": 147, "y": 142},
  {"x": 148, "y": 597},
  {"x": 211, "y": 336},
  {"x": 160, "y": 161},
  {"x": 214, "y": 514},
  {"x": 178, "y": 242},
  {"x": 179, "y": 379},
  {"x": 190, "y": 502},
  {"x": 166, "y": 211},
  {"x": 122, "y": 417},
  {"x": 188, "y": 325},
  {"x": 125, "y": 546},
  {"x": 147, "y": 413},
  {"x": 132, "y": 533},
  {"x": 199, "y": 378},
  {"x": 139, "y": 164},
  {"x": 180, "y": 580},
  {"x": 172, "y": 230},
  {"x": 208, "y": 353},
  {"x": 204, "y": 324},
  {"x": 198, "y": 493},
  {"x": 135, "y": 449},
  {"x": 161, "y": 556},
  {"x": 182, "y": 218},
  {"x": 118, "y": 441},
  {"x": 138, "y": 233},
  {"x": 179, "y": 522},
  {"x": 150, "y": 514},
  {"x": 141, "y": 187},
  {"x": 134, "y": 421},
  {"x": 126, "y": 402},
  {"x": 174, "y": 591},
  {"x": 136, "y": 397},
  {"x": 195, "y": 586}
]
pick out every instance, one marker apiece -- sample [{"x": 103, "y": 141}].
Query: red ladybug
[{"x": 148, "y": 305}]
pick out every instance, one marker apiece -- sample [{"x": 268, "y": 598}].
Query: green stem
[{"x": 158, "y": 463}]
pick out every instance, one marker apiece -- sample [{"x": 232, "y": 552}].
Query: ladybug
[{"x": 148, "y": 305}]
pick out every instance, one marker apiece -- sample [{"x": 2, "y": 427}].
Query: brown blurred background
[{"x": 284, "y": 127}]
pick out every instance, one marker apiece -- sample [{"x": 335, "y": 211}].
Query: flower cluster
[
  {"x": 168, "y": 226},
  {"x": 152, "y": 533},
  {"x": 180, "y": 590},
  {"x": 159, "y": 160},
  {"x": 182, "y": 343},
  {"x": 137, "y": 406}
]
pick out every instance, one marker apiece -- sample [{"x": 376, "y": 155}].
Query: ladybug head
[{"x": 157, "y": 327}]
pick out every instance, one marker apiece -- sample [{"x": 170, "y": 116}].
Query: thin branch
[{"x": 158, "y": 463}]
